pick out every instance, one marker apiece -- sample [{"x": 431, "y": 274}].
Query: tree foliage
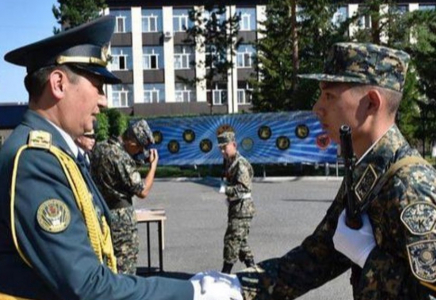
[
  {"x": 71, "y": 13},
  {"x": 214, "y": 33}
]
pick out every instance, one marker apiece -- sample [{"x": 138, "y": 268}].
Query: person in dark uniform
[
  {"x": 55, "y": 241},
  {"x": 116, "y": 175},
  {"x": 85, "y": 143},
  {"x": 392, "y": 255}
]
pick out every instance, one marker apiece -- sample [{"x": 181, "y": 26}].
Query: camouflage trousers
[
  {"x": 125, "y": 239},
  {"x": 235, "y": 240}
]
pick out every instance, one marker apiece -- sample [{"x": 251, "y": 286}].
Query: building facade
[{"x": 150, "y": 56}]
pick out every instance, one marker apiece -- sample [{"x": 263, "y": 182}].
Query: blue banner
[{"x": 263, "y": 138}]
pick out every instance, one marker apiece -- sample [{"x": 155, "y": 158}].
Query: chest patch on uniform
[
  {"x": 53, "y": 216},
  {"x": 422, "y": 257},
  {"x": 366, "y": 183},
  {"x": 419, "y": 217}
]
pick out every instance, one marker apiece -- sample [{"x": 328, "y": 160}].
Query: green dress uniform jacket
[
  {"x": 63, "y": 264},
  {"x": 402, "y": 265}
]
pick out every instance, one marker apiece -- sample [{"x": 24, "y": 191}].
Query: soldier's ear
[
  {"x": 56, "y": 83},
  {"x": 374, "y": 101}
]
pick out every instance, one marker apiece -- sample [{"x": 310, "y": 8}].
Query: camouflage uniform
[
  {"x": 239, "y": 175},
  {"x": 115, "y": 173},
  {"x": 403, "y": 213}
]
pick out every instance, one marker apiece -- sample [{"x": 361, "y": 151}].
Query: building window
[
  {"x": 149, "y": 24},
  {"x": 245, "y": 22},
  {"x": 154, "y": 93},
  {"x": 248, "y": 19},
  {"x": 181, "y": 20},
  {"x": 365, "y": 18},
  {"x": 151, "y": 20},
  {"x": 427, "y": 7},
  {"x": 217, "y": 95},
  {"x": 244, "y": 56},
  {"x": 121, "y": 58},
  {"x": 122, "y": 20},
  {"x": 182, "y": 57},
  {"x": 152, "y": 58},
  {"x": 122, "y": 95},
  {"x": 119, "y": 61},
  {"x": 340, "y": 15},
  {"x": 244, "y": 93},
  {"x": 184, "y": 93}
]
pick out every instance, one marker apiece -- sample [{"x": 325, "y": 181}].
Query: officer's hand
[
  {"x": 212, "y": 285},
  {"x": 355, "y": 244},
  {"x": 154, "y": 157}
]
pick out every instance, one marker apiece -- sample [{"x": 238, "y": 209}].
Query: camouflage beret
[
  {"x": 142, "y": 132},
  {"x": 365, "y": 63},
  {"x": 225, "y": 138}
]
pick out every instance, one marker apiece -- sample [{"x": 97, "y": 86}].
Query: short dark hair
[{"x": 36, "y": 81}]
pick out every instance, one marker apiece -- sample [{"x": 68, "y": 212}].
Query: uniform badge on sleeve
[
  {"x": 53, "y": 216},
  {"x": 419, "y": 217},
  {"x": 422, "y": 257}
]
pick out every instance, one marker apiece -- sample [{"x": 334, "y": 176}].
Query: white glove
[
  {"x": 223, "y": 186},
  {"x": 355, "y": 244},
  {"x": 213, "y": 285}
]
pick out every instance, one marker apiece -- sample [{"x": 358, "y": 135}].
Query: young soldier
[
  {"x": 392, "y": 255},
  {"x": 239, "y": 175},
  {"x": 115, "y": 172}
]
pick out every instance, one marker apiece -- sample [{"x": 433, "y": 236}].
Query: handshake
[{"x": 213, "y": 285}]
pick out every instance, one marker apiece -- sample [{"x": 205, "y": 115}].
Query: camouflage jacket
[
  {"x": 239, "y": 176},
  {"x": 115, "y": 173},
  {"x": 403, "y": 216}
]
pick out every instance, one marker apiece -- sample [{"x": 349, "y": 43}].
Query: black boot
[
  {"x": 249, "y": 262},
  {"x": 227, "y": 268}
]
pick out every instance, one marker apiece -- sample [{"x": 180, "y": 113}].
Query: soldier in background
[
  {"x": 239, "y": 175},
  {"x": 85, "y": 143},
  {"x": 115, "y": 172}
]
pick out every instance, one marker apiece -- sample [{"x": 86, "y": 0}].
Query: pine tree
[
  {"x": 216, "y": 35},
  {"x": 71, "y": 13}
]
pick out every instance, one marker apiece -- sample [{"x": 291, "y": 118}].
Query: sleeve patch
[
  {"x": 419, "y": 217},
  {"x": 422, "y": 257},
  {"x": 53, "y": 216}
]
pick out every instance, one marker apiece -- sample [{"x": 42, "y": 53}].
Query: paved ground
[{"x": 288, "y": 210}]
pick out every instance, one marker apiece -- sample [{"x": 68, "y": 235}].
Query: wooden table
[{"x": 158, "y": 216}]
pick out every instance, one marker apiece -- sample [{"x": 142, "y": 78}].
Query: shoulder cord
[{"x": 100, "y": 238}]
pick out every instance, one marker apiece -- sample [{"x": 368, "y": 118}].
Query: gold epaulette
[{"x": 39, "y": 139}]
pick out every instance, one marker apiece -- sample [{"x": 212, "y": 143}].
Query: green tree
[
  {"x": 214, "y": 33},
  {"x": 293, "y": 42},
  {"x": 71, "y": 13},
  {"x": 102, "y": 132}
]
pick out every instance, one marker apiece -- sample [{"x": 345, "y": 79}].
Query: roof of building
[{"x": 11, "y": 115}]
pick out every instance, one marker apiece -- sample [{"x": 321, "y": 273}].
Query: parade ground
[{"x": 288, "y": 209}]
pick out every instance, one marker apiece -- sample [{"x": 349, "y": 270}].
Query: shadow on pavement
[{"x": 144, "y": 272}]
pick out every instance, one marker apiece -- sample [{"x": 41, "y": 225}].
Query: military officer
[
  {"x": 55, "y": 241},
  {"x": 392, "y": 255},
  {"x": 239, "y": 176},
  {"x": 115, "y": 172}
]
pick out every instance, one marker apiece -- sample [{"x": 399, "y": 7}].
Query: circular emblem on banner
[
  {"x": 157, "y": 137},
  {"x": 283, "y": 142},
  {"x": 224, "y": 128},
  {"x": 189, "y": 135},
  {"x": 205, "y": 145},
  {"x": 247, "y": 144},
  {"x": 323, "y": 141},
  {"x": 173, "y": 146},
  {"x": 264, "y": 132},
  {"x": 53, "y": 215},
  {"x": 302, "y": 131}
]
